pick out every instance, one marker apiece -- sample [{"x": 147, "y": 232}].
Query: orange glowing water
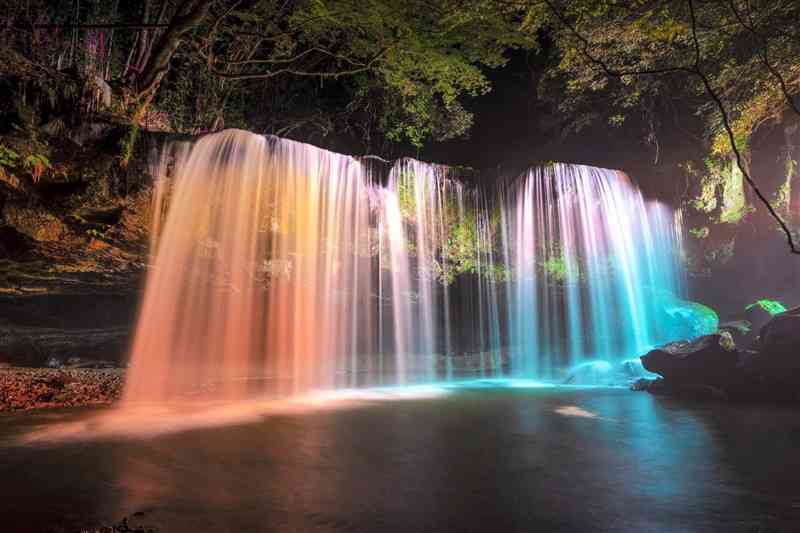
[{"x": 260, "y": 271}]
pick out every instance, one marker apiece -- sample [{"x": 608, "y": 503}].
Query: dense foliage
[
  {"x": 733, "y": 63},
  {"x": 386, "y": 74},
  {"x": 377, "y": 69},
  {"x": 644, "y": 55}
]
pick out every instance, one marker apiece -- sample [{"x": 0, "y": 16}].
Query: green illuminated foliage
[
  {"x": 561, "y": 266},
  {"x": 773, "y": 307},
  {"x": 9, "y": 158},
  {"x": 733, "y": 201},
  {"x": 620, "y": 59},
  {"x": 407, "y": 194},
  {"x": 36, "y": 165},
  {"x": 556, "y": 268}
]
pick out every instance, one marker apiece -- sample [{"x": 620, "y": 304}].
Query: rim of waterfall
[{"x": 279, "y": 267}]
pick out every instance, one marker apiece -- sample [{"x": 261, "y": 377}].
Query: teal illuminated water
[{"x": 594, "y": 265}]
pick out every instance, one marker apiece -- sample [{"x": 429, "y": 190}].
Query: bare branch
[{"x": 295, "y": 72}]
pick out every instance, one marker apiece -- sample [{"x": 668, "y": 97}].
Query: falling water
[
  {"x": 281, "y": 268},
  {"x": 593, "y": 264}
]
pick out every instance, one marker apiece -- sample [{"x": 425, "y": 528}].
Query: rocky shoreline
[
  {"x": 722, "y": 366},
  {"x": 35, "y": 388}
]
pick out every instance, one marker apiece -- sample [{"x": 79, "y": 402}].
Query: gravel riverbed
[{"x": 34, "y": 388}]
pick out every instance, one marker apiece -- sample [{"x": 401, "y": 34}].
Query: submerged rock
[
  {"x": 607, "y": 374},
  {"x": 642, "y": 384}
]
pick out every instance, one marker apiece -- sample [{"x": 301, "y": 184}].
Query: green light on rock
[{"x": 773, "y": 307}]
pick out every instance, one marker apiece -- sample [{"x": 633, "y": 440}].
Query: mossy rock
[{"x": 34, "y": 221}]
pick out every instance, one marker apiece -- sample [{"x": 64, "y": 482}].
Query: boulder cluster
[{"x": 729, "y": 364}]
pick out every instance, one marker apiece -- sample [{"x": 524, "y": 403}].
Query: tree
[
  {"x": 403, "y": 68},
  {"x": 737, "y": 59}
]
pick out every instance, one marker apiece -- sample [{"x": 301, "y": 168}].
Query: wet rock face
[
  {"x": 57, "y": 347},
  {"x": 33, "y": 221},
  {"x": 49, "y": 328}
]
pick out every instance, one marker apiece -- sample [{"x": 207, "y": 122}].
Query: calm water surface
[{"x": 488, "y": 459}]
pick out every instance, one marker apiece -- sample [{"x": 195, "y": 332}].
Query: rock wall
[{"x": 736, "y": 253}]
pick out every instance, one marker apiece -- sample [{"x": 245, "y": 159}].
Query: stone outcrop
[
  {"x": 712, "y": 366},
  {"x": 56, "y": 347},
  {"x": 34, "y": 221},
  {"x": 710, "y": 359}
]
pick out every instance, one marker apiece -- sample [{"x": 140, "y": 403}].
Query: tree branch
[
  {"x": 765, "y": 58},
  {"x": 99, "y": 26},
  {"x": 189, "y": 14},
  {"x": 302, "y": 73},
  {"x": 732, "y": 138},
  {"x": 696, "y": 71}
]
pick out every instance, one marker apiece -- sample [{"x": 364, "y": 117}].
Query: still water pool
[{"x": 476, "y": 458}]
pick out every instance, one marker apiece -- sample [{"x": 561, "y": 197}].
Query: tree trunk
[{"x": 189, "y": 15}]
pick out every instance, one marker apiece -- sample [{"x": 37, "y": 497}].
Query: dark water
[{"x": 494, "y": 460}]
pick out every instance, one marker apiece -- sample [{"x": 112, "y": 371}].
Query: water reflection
[{"x": 470, "y": 459}]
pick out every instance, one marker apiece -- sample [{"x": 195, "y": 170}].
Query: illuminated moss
[
  {"x": 707, "y": 200},
  {"x": 707, "y": 319},
  {"x": 783, "y": 196},
  {"x": 773, "y": 307},
  {"x": 406, "y": 194},
  {"x": 733, "y": 201},
  {"x": 721, "y": 190},
  {"x": 561, "y": 267},
  {"x": 556, "y": 268}
]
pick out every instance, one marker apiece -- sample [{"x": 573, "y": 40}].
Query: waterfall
[
  {"x": 280, "y": 268},
  {"x": 593, "y": 264}
]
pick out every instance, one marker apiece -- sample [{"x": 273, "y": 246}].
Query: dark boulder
[
  {"x": 708, "y": 360},
  {"x": 779, "y": 348},
  {"x": 712, "y": 367},
  {"x": 758, "y": 314},
  {"x": 13, "y": 244}
]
